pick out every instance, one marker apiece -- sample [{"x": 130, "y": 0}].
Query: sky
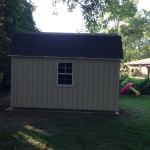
[{"x": 65, "y": 21}]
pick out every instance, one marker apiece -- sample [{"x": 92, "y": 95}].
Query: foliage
[
  {"x": 134, "y": 30},
  {"x": 124, "y": 72},
  {"x": 141, "y": 85},
  {"x": 15, "y": 16},
  {"x": 115, "y": 14},
  {"x": 123, "y": 76},
  {"x": 134, "y": 81},
  {"x": 145, "y": 86},
  {"x": 135, "y": 36},
  {"x": 93, "y": 9},
  {"x": 107, "y": 16}
]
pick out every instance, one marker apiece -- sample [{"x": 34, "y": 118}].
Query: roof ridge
[{"x": 64, "y": 33}]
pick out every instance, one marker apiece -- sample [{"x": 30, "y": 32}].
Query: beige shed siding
[
  {"x": 12, "y": 81},
  {"x": 34, "y": 84}
]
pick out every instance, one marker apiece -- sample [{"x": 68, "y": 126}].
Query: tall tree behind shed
[{"x": 15, "y": 16}]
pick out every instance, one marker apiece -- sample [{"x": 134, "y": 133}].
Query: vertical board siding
[
  {"x": 29, "y": 82},
  {"x": 80, "y": 83},
  {"x": 90, "y": 85},
  {"x": 12, "y": 81},
  {"x": 117, "y": 87},
  {"x": 40, "y": 83},
  {"x": 100, "y": 85},
  {"x": 96, "y": 84},
  {"x": 75, "y": 98},
  {"x": 115, "y": 99},
  {"x": 20, "y": 82},
  {"x": 59, "y": 98},
  {"x": 35, "y": 83},
  {"x": 45, "y": 81},
  {"x": 65, "y": 98},
  {"x": 25, "y": 79},
  {"x": 85, "y": 84},
  {"x": 106, "y": 85},
  {"x": 111, "y": 85},
  {"x": 75, "y": 90},
  {"x": 15, "y": 82},
  {"x": 70, "y": 103},
  {"x": 55, "y": 90},
  {"x": 50, "y": 82}
]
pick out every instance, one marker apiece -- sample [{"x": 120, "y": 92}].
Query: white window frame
[{"x": 65, "y": 73}]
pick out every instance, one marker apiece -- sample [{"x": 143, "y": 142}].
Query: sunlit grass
[
  {"x": 31, "y": 128},
  {"x": 33, "y": 141}
]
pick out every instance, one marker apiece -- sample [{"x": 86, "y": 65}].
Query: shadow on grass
[{"x": 106, "y": 134}]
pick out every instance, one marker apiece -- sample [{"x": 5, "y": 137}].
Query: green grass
[{"x": 126, "y": 133}]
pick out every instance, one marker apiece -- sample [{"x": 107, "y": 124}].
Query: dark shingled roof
[{"x": 67, "y": 45}]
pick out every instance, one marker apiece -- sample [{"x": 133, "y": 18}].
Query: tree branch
[{"x": 82, "y": 4}]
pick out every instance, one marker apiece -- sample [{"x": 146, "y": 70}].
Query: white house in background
[{"x": 139, "y": 67}]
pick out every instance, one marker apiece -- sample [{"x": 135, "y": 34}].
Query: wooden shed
[{"x": 65, "y": 71}]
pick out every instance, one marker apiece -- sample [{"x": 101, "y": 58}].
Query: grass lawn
[{"x": 125, "y": 133}]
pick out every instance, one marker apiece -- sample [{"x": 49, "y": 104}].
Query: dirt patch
[{"x": 40, "y": 115}]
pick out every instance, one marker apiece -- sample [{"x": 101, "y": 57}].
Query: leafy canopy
[
  {"x": 93, "y": 9},
  {"x": 135, "y": 33},
  {"x": 16, "y": 15},
  {"x": 117, "y": 17}
]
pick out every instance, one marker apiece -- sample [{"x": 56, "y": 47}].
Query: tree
[
  {"x": 15, "y": 16},
  {"x": 93, "y": 9},
  {"x": 135, "y": 32},
  {"x": 119, "y": 17},
  {"x": 115, "y": 14}
]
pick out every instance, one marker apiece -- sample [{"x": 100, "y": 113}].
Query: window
[{"x": 65, "y": 74}]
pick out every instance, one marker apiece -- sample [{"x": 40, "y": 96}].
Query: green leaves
[
  {"x": 119, "y": 17},
  {"x": 16, "y": 15},
  {"x": 93, "y": 10},
  {"x": 134, "y": 28}
]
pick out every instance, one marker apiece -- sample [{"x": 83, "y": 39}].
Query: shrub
[
  {"x": 141, "y": 85},
  {"x": 145, "y": 86},
  {"x": 123, "y": 76}
]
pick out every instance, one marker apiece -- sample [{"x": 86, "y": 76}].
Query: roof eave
[{"x": 64, "y": 57}]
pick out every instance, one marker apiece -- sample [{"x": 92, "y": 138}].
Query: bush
[
  {"x": 145, "y": 86},
  {"x": 123, "y": 76},
  {"x": 141, "y": 85}
]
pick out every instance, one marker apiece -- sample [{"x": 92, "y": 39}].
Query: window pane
[
  {"x": 61, "y": 77},
  {"x": 68, "y": 65},
  {"x": 61, "y": 65},
  {"x": 68, "y": 82},
  {"x": 68, "y": 70},
  {"x": 61, "y": 81},
  {"x": 68, "y": 77},
  {"x": 61, "y": 70}
]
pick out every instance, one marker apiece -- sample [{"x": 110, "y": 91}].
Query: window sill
[{"x": 64, "y": 86}]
